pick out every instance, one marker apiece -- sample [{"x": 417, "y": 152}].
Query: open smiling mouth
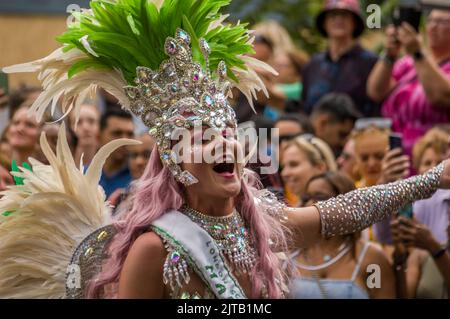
[{"x": 224, "y": 169}]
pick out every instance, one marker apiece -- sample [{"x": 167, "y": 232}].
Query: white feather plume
[
  {"x": 250, "y": 83},
  {"x": 52, "y": 212},
  {"x": 53, "y": 74}
]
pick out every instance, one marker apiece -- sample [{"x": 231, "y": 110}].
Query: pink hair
[{"x": 156, "y": 193}]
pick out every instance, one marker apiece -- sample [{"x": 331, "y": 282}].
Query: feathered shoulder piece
[
  {"x": 50, "y": 212},
  {"x": 108, "y": 42}
]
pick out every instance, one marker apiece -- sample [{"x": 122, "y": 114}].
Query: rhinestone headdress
[
  {"x": 180, "y": 95},
  {"x": 109, "y": 43}
]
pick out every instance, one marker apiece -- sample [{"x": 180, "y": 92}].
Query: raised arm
[
  {"x": 435, "y": 83},
  {"x": 380, "y": 82},
  {"x": 355, "y": 211}
]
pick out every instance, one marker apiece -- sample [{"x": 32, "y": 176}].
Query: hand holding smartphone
[
  {"x": 395, "y": 141},
  {"x": 395, "y": 165},
  {"x": 410, "y": 14}
]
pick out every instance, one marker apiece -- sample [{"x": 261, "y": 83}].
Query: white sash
[{"x": 195, "y": 244}]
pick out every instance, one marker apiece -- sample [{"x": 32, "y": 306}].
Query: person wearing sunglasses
[
  {"x": 336, "y": 267},
  {"x": 291, "y": 125}
]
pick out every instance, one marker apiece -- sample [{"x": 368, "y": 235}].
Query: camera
[{"x": 410, "y": 13}]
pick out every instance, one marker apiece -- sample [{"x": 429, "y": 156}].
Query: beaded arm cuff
[
  {"x": 352, "y": 212},
  {"x": 271, "y": 205}
]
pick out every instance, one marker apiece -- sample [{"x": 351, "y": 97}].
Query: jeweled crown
[{"x": 180, "y": 94}]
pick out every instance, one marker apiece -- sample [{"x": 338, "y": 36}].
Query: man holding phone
[{"x": 416, "y": 88}]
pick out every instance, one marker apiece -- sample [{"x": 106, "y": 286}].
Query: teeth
[{"x": 225, "y": 159}]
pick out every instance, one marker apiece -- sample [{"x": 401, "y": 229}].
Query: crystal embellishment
[
  {"x": 183, "y": 87},
  {"x": 230, "y": 235}
]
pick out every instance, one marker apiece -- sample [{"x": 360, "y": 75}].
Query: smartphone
[
  {"x": 379, "y": 122},
  {"x": 410, "y": 14},
  {"x": 395, "y": 141},
  {"x": 406, "y": 211}
]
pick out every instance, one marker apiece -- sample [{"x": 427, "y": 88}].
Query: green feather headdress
[{"x": 106, "y": 43}]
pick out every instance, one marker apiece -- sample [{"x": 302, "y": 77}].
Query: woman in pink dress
[{"x": 416, "y": 88}]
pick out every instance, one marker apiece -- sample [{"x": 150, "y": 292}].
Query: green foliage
[
  {"x": 17, "y": 180},
  {"x": 130, "y": 33},
  {"x": 15, "y": 168},
  {"x": 297, "y": 16}
]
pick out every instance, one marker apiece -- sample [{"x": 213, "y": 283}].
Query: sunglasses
[
  {"x": 310, "y": 138},
  {"x": 287, "y": 137},
  {"x": 365, "y": 123}
]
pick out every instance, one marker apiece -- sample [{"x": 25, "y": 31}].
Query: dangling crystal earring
[{"x": 187, "y": 179}]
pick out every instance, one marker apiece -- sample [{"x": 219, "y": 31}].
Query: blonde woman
[
  {"x": 303, "y": 158},
  {"x": 430, "y": 149},
  {"x": 377, "y": 164}
]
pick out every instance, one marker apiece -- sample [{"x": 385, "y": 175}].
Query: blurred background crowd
[{"x": 353, "y": 107}]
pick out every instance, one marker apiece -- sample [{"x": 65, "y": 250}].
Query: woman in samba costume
[{"x": 194, "y": 230}]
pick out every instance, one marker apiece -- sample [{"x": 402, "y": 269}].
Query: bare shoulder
[
  {"x": 376, "y": 255},
  {"x": 147, "y": 245},
  {"x": 142, "y": 272}
]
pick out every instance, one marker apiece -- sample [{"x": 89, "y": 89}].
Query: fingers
[
  {"x": 395, "y": 155},
  {"x": 395, "y": 223},
  {"x": 406, "y": 222},
  {"x": 406, "y": 30},
  {"x": 391, "y": 30},
  {"x": 395, "y": 173},
  {"x": 406, "y": 231},
  {"x": 396, "y": 160},
  {"x": 396, "y": 152},
  {"x": 395, "y": 165},
  {"x": 391, "y": 35},
  {"x": 409, "y": 28}
]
